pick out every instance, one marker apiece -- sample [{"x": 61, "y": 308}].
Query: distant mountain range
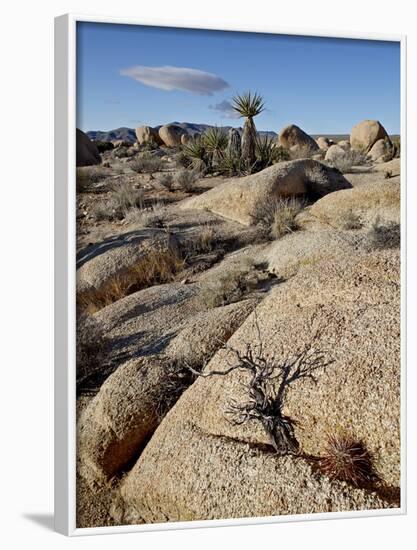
[{"x": 128, "y": 134}]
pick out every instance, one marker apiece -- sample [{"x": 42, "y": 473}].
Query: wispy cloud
[
  {"x": 177, "y": 78},
  {"x": 225, "y": 108}
]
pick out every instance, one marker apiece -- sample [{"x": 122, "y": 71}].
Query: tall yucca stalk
[{"x": 248, "y": 105}]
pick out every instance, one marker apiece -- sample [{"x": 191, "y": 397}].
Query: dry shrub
[
  {"x": 185, "y": 179},
  {"x": 87, "y": 176},
  {"x": 157, "y": 267},
  {"x": 123, "y": 198},
  {"x": 277, "y": 216},
  {"x": 151, "y": 217},
  {"x": 206, "y": 238},
  {"x": 284, "y": 217},
  {"x": 381, "y": 237},
  {"x": 351, "y": 220},
  {"x": 126, "y": 196},
  {"x": 167, "y": 180},
  {"x": 147, "y": 165},
  {"x": 347, "y": 459}
]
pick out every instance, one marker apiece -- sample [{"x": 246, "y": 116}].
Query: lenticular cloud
[{"x": 177, "y": 78}]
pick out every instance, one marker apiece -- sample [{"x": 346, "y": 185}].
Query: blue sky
[{"x": 129, "y": 75}]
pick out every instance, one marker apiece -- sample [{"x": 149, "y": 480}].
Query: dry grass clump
[
  {"x": 147, "y": 164},
  {"x": 278, "y": 216},
  {"x": 284, "y": 217},
  {"x": 206, "y": 238},
  {"x": 151, "y": 217},
  {"x": 87, "y": 176},
  {"x": 351, "y": 220},
  {"x": 167, "y": 180},
  {"x": 380, "y": 237},
  {"x": 124, "y": 197},
  {"x": 157, "y": 267},
  {"x": 347, "y": 459},
  {"x": 185, "y": 179}
]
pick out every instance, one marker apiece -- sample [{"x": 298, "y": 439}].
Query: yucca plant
[
  {"x": 195, "y": 151},
  {"x": 264, "y": 150},
  {"x": 215, "y": 143},
  {"x": 248, "y": 105},
  {"x": 232, "y": 165}
]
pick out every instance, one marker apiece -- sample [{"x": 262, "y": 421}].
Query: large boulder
[
  {"x": 382, "y": 150},
  {"x": 145, "y": 134},
  {"x": 241, "y": 199},
  {"x": 323, "y": 142},
  {"x": 303, "y": 249},
  {"x": 185, "y": 475},
  {"x": 365, "y": 134},
  {"x": 132, "y": 401},
  {"x": 344, "y": 144},
  {"x": 367, "y": 202},
  {"x": 334, "y": 152},
  {"x": 87, "y": 152},
  {"x": 292, "y": 136},
  {"x": 170, "y": 134},
  {"x": 97, "y": 264}
]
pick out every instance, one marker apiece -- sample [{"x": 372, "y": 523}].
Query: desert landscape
[{"x": 238, "y": 321}]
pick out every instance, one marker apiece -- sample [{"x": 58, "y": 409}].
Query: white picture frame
[{"x": 65, "y": 281}]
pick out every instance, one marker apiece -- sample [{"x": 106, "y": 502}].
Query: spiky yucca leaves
[
  {"x": 232, "y": 165},
  {"x": 248, "y": 105},
  {"x": 195, "y": 150},
  {"x": 215, "y": 143},
  {"x": 264, "y": 150},
  {"x": 347, "y": 459}
]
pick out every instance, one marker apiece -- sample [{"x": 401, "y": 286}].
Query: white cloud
[
  {"x": 225, "y": 107},
  {"x": 177, "y": 78}
]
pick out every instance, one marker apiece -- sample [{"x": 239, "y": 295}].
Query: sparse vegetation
[
  {"x": 147, "y": 164},
  {"x": 123, "y": 198},
  {"x": 87, "y": 176},
  {"x": 351, "y": 220},
  {"x": 167, "y": 180},
  {"x": 347, "y": 459},
  {"x": 206, "y": 238},
  {"x": 284, "y": 220},
  {"x": 185, "y": 179},
  {"x": 388, "y": 174},
  {"x": 156, "y": 267},
  {"x": 278, "y": 216},
  {"x": 383, "y": 236},
  {"x": 266, "y": 380}
]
